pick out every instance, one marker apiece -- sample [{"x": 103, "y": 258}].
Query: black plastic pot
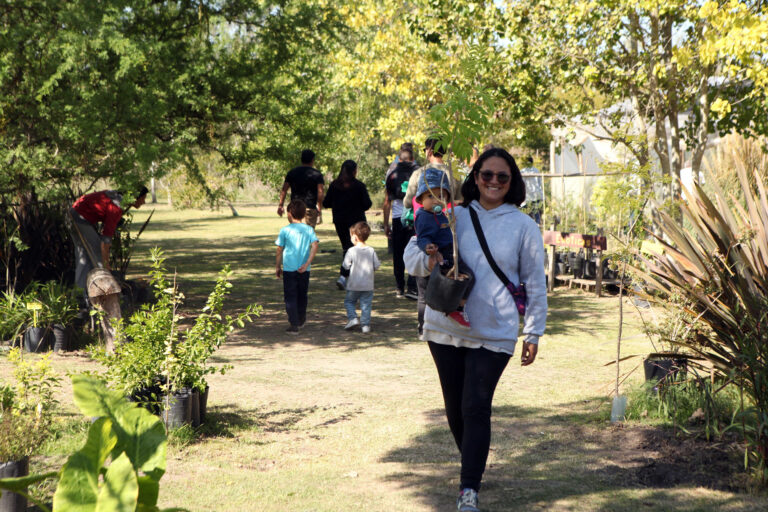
[
  {"x": 589, "y": 269},
  {"x": 37, "y": 339},
  {"x": 9, "y": 501},
  {"x": 664, "y": 367},
  {"x": 178, "y": 410},
  {"x": 443, "y": 293},
  {"x": 204, "y": 403},
  {"x": 60, "y": 338},
  {"x": 195, "y": 407}
]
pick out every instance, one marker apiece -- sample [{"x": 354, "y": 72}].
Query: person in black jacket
[
  {"x": 348, "y": 199},
  {"x": 398, "y": 233}
]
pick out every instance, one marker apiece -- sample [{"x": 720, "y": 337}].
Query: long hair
[
  {"x": 516, "y": 193},
  {"x": 347, "y": 173}
]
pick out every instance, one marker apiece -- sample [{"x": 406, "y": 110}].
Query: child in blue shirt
[
  {"x": 296, "y": 248},
  {"x": 433, "y": 232}
]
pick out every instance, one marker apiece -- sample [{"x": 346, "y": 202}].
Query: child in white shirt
[{"x": 361, "y": 261}]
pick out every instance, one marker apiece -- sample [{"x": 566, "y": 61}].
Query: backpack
[{"x": 397, "y": 182}]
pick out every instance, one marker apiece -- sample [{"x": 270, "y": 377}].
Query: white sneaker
[
  {"x": 467, "y": 501},
  {"x": 366, "y": 329},
  {"x": 352, "y": 324},
  {"x": 341, "y": 283}
]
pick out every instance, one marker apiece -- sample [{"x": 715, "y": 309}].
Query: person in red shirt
[{"x": 103, "y": 208}]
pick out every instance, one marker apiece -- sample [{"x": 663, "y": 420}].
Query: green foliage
[
  {"x": 719, "y": 272},
  {"x": 125, "y": 90},
  {"x": 36, "y": 383},
  {"x": 13, "y": 315},
  {"x": 629, "y": 70},
  {"x": 59, "y": 306},
  {"x": 121, "y": 249},
  {"x": 618, "y": 199},
  {"x": 209, "y": 331},
  {"x": 159, "y": 348},
  {"x": 59, "y": 302},
  {"x": 26, "y": 407},
  {"x": 686, "y": 403},
  {"x": 129, "y": 437}
]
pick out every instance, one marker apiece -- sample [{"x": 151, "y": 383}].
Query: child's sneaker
[
  {"x": 460, "y": 317},
  {"x": 467, "y": 501},
  {"x": 352, "y": 324},
  {"x": 292, "y": 330},
  {"x": 366, "y": 329}
]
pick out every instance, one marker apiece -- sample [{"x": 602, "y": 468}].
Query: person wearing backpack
[{"x": 395, "y": 184}]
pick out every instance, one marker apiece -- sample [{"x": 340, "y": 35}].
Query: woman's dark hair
[
  {"x": 347, "y": 173},
  {"x": 516, "y": 193},
  {"x": 435, "y": 145}
]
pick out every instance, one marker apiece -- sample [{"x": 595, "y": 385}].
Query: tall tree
[
  {"x": 634, "y": 68},
  {"x": 104, "y": 89}
]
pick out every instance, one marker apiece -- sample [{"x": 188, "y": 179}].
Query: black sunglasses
[{"x": 501, "y": 177}]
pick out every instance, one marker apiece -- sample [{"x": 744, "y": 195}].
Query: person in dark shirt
[
  {"x": 306, "y": 183},
  {"x": 90, "y": 210},
  {"x": 348, "y": 199}
]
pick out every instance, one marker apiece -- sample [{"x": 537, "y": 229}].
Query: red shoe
[{"x": 460, "y": 317}]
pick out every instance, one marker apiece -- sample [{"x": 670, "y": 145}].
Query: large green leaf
[
  {"x": 142, "y": 436},
  {"x": 120, "y": 490},
  {"x": 149, "y": 490},
  {"x": 94, "y": 399},
  {"x": 79, "y": 484}
]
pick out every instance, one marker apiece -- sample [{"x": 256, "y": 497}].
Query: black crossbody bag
[{"x": 518, "y": 292}]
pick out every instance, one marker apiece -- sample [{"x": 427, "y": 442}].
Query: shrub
[
  {"x": 154, "y": 348},
  {"x": 26, "y": 411},
  {"x": 719, "y": 274}
]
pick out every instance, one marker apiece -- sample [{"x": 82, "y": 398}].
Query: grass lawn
[{"x": 334, "y": 420}]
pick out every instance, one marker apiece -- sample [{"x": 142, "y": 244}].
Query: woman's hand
[{"x": 529, "y": 353}]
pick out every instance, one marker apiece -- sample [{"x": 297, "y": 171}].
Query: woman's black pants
[
  {"x": 346, "y": 243},
  {"x": 468, "y": 377}
]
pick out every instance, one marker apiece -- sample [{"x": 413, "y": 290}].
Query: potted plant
[
  {"x": 59, "y": 310},
  {"x": 161, "y": 364},
  {"x": 25, "y": 418},
  {"x": 121, "y": 463},
  {"x": 36, "y": 335}
]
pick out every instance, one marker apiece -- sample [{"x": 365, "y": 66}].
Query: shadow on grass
[
  {"x": 252, "y": 258},
  {"x": 542, "y": 459},
  {"x": 229, "y": 420}
]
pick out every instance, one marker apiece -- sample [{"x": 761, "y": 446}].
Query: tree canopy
[{"x": 124, "y": 89}]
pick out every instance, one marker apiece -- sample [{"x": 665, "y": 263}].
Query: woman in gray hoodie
[{"x": 470, "y": 360}]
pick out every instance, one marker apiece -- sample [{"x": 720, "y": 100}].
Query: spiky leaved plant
[{"x": 718, "y": 265}]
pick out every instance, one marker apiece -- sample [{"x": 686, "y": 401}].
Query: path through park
[{"x": 333, "y": 420}]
